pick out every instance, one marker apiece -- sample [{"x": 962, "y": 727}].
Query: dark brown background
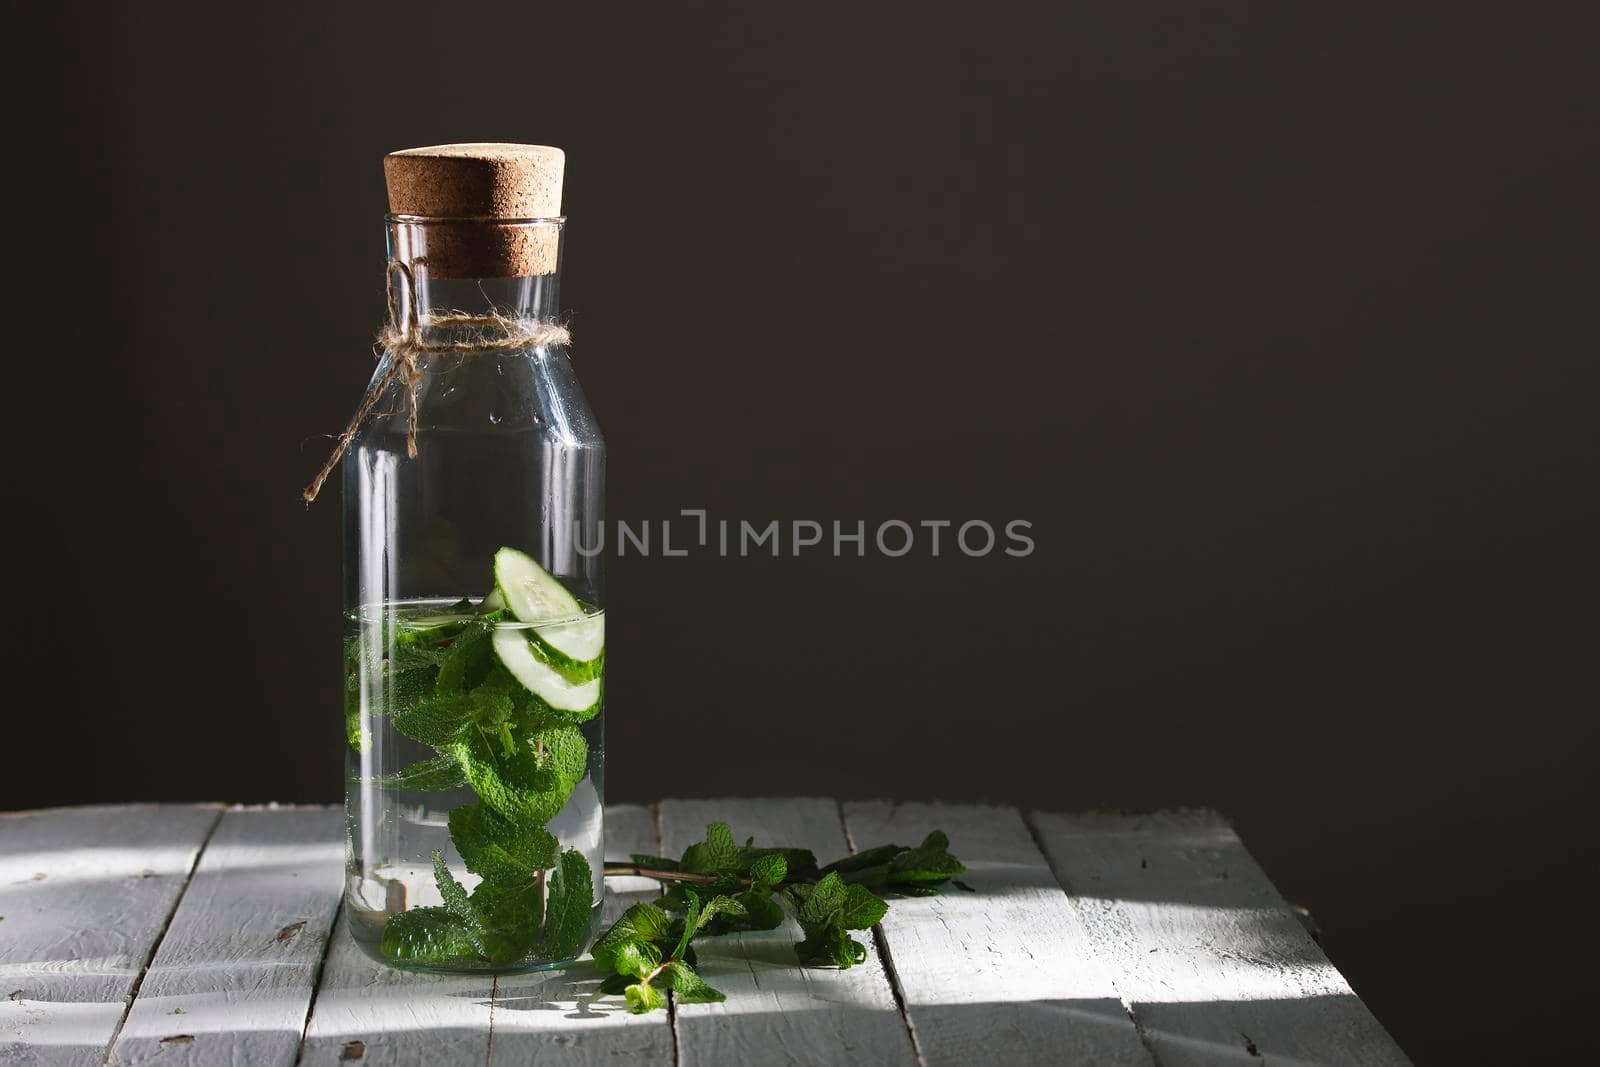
[{"x": 1277, "y": 320}]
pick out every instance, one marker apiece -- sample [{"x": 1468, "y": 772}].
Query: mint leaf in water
[
  {"x": 435, "y": 720},
  {"x": 570, "y": 907},
  {"x": 469, "y": 659},
  {"x": 506, "y": 918},
  {"x": 526, "y": 788},
  {"x": 427, "y": 935},
  {"x": 454, "y": 894},
  {"x": 429, "y": 775},
  {"x": 562, "y": 753},
  {"x": 494, "y": 847}
]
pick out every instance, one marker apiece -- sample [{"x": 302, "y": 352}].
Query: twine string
[{"x": 407, "y": 347}]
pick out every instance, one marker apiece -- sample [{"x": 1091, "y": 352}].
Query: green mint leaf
[
  {"x": 487, "y": 709},
  {"x": 718, "y": 905},
  {"x": 427, "y": 935},
  {"x": 929, "y": 864},
  {"x": 564, "y": 755},
  {"x": 352, "y": 693},
  {"x": 769, "y": 869},
  {"x": 408, "y": 658},
  {"x": 467, "y": 662},
  {"x": 641, "y": 922},
  {"x": 506, "y": 914},
  {"x": 822, "y": 911},
  {"x": 494, "y": 847},
  {"x": 637, "y": 958},
  {"x": 845, "y": 950},
  {"x": 655, "y": 863},
  {"x": 570, "y": 907},
  {"x": 895, "y": 869},
  {"x": 690, "y": 922},
  {"x": 688, "y": 986},
  {"x": 700, "y": 913},
  {"x": 353, "y": 734},
  {"x": 799, "y": 863},
  {"x": 644, "y": 998},
  {"x": 716, "y": 853},
  {"x": 429, "y": 775},
  {"x": 434, "y": 720},
  {"x": 830, "y": 944},
  {"x": 823, "y": 902},
  {"x": 454, "y": 894},
  {"x": 393, "y": 685},
  {"x": 872, "y": 857},
  {"x": 528, "y": 789},
  {"x": 862, "y": 909}
]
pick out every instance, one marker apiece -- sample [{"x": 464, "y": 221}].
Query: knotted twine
[{"x": 470, "y": 334}]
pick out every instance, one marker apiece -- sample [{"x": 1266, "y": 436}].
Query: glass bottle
[{"x": 474, "y": 652}]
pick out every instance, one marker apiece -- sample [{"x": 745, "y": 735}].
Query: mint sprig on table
[{"x": 720, "y": 887}]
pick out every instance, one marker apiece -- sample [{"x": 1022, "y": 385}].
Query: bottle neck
[{"x": 474, "y": 266}]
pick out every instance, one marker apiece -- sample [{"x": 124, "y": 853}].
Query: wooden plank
[
  {"x": 1214, "y": 965},
  {"x": 233, "y": 977},
  {"x": 775, "y": 1008},
  {"x": 84, "y": 896},
  {"x": 1003, "y": 974},
  {"x": 559, "y": 1013}
]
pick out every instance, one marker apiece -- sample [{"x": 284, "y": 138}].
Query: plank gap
[
  {"x": 884, "y": 955},
  {"x": 1028, "y": 820},
  {"x": 155, "y": 946},
  {"x": 494, "y": 1005},
  {"x": 672, "y": 997},
  {"x": 316, "y": 980}
]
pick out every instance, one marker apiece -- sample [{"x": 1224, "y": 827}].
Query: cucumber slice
[
  {"x": 530, "y": 591},
  {"x": 576, "y": 648},
  {"x": 562, "y": 695},
  {"x": 492, "y": 603}
]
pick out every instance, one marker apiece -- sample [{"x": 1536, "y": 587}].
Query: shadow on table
[{"x": 1312, "y": 1030}]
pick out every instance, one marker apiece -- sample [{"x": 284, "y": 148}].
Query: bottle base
[{"x": 366, "y": 927}]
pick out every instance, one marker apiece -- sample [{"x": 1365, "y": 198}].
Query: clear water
[{"x": 393, "y": 833}]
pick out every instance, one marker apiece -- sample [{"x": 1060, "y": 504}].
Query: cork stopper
[{"x": 471, "y": 193}]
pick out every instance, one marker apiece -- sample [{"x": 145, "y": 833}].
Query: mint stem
[{"x": 631, "y": 870}]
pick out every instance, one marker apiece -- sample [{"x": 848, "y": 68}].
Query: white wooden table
[{"x": 212, "y": 935}]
